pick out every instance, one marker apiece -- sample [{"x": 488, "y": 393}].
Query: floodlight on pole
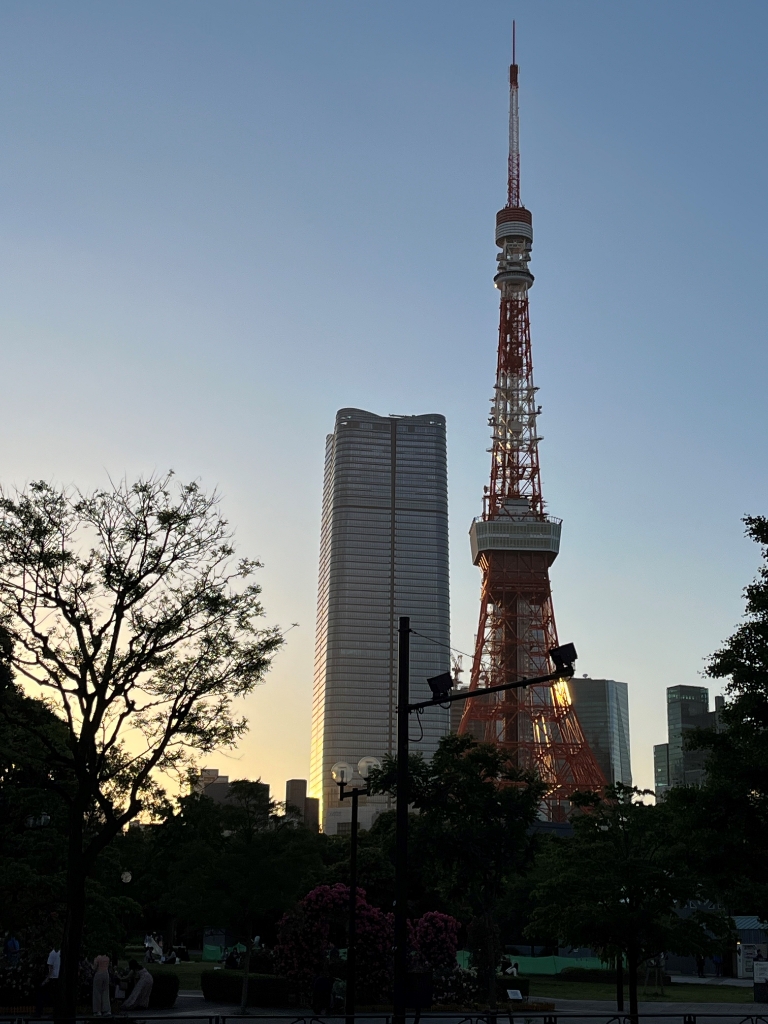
[
  {"x": 563, "y": 658},
  {"x": 441, "y": 685}
]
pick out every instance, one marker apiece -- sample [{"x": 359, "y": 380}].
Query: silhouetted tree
[
  {"x": 618, "y": 883},
  {"x": 726, "y": 819},
  {"x": 472, "y": 832},
  {"x": 124, "y": 607}
]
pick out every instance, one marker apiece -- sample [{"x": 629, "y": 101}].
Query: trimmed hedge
[
  {"x": 263, "y": 989},
  {"x": 165, "y": 988}
]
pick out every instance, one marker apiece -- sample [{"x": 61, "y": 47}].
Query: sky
[{"x": 221, "y": 221}]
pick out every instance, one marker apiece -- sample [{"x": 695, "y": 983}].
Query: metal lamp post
[
  {"x": 563, "y": 658},
  {"x": 342, "y": 773}
]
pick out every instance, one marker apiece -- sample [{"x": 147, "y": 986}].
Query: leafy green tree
[
  {"x": 473, "y": 832},
  {"x": 125, "y": 608},
  {"x": 32, "y": 819},
  {"x": 618, "y": 883},
  {"x": 33, "y": 830},
  {"x": 728, "y": 816},
  {"x": 237, "y": 864}
]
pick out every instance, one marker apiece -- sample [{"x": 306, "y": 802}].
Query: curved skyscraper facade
[{"x": 383, "y": 554}]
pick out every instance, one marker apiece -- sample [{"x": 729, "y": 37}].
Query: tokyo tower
[{"x": 515, "y": 542}]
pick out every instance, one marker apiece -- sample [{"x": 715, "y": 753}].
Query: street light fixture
[
  {"x": 342, "y": 774},
  {"x": 563, "y": 659}
]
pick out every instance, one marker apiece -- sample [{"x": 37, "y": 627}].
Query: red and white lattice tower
[{"x": 515, "y": 542}]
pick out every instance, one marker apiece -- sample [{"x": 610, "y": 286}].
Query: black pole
[
  {"x": 352, "y": 936},
  {"x": 619, "y": 980},
  {"x": 401, "y": 823}
]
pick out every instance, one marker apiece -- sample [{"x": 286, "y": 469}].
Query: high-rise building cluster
[
  {"x": 297, "y": 804},
  {"x": 673, "y": 763}
]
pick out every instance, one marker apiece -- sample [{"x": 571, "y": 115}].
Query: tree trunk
[
  {"x": 632, "y": 972},
  {"x": 75, "y": 919},
  {"x": 492, "y": 959},
  {"x": 620, "y": 981},
  {"x": 246, "y": 969}
]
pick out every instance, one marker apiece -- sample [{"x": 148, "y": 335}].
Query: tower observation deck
[{"x": 515, "y": 542}]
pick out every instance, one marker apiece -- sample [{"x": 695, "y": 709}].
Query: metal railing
[{"x": 513, "y": 1016}]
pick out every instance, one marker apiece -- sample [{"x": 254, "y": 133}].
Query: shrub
[
  {"x": 434, "y": 939},
  {"x": 262, "y": 961},
  {"x": 306, "y": 936},
  {"x": 19, "y": 982},
  {"x": 165, "y": 988},
  {"x": 263, "y": 989}
]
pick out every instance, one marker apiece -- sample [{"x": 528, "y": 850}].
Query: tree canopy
[
  {"x": 727, "y": 818},
  {"x": 622, "y": 884},
  {"x": 126, "y": 608},
  {"x": 473, "y": 831}
]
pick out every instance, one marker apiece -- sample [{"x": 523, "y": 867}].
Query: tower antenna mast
[
  {"x": 515, "y": 542},
  {"x": 513, "y": 182}
]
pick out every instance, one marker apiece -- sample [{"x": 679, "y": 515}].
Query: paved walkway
[
  {"x": 192, "y": 1003},
  {"x": 704, "y": 1011}
]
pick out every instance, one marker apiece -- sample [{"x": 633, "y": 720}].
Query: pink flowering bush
[
  {"x": 435, "y": 937},
  {"x": 308, "y": 934}
]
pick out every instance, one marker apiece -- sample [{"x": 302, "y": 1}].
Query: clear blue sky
[{"x": 221, "y": 221}]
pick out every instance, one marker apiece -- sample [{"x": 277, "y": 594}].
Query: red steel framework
[{"x": 515, "y": 542}]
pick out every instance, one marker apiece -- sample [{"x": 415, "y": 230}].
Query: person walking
[
  {"x": 138, "y": 997},
  {"x": 100, "y": 989}
]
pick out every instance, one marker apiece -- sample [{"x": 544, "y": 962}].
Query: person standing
[
  {"x": 49, "y": 989},
  {"x": 11, "y": 949},
  {"x": 100, "y": 991}
]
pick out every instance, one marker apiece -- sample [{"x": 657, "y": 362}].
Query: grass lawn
[
  {"x": 548, "y": 987},
  {"x": 188, "y": 973}
]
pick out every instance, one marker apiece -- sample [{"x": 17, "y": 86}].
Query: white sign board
[
  {"x": 760, "y": 971},
  {"x": 745, "y": 958}
]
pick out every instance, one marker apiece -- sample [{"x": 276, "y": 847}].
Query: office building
[
  {"x": 217, "y": 787},
  {"x": 687, "y": 709},
  {"x": 661, "y": 768},
  {"x": 296, "y": 800},
  {"x": 602, "y": 707},
  {"x": 383, "y": 554}
]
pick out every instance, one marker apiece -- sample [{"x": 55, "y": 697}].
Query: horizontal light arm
[{"x": 551, "y": 678}]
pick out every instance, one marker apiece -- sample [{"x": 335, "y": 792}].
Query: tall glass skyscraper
[
  {"x": 602, "y": 706},
  {"x": 383, "y": 554}
]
